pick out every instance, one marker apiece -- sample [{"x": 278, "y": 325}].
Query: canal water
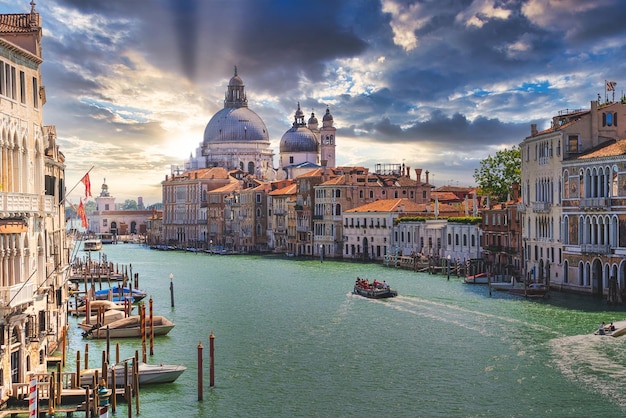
[{"x": 292, "y": 341}]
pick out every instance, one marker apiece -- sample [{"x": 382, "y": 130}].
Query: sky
[{"x": 433, "y": 84}]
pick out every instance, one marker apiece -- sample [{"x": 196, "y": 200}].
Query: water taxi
[{"x": 92, "y": 245}]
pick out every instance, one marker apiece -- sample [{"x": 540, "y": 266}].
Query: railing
[
  {"x": 16, "y": 295},
  {"x": 595, "y": 203},
  {"x": 12, "y": 204},
  {"x": 541, "y": 207},
  {"x": 595, "y": 248}
]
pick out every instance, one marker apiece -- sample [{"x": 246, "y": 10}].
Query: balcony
[
  {"x": 22, "y": 204},
  {"x": 541, "y": 207},
  {"x": 595, "y": 203},
  {"x": 595, "y": 248},
  {"x": 16, "y": 295}
]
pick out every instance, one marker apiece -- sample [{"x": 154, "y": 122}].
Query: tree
[
  {"x": 496, "y": 174},
  {"x": 129, "y": 205}
]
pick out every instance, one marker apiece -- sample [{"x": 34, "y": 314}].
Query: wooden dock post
[
  {"x": 151, "y": 327},
  {"x": 114, "y": 386},
  {"x": 212, "y": 359},
  {"x": 142, "y": 319},
  {"x": 64, "y": 346},
  {"x": 86, "y": 355},
  {"x": 200, "y": 384},
  {"x": 77, "y": 378}
]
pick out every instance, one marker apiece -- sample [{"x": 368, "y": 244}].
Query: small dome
[
  {"x": 327, "y": 116},
  {"x": 312, "y": 119},
  {"x": 298, "y": 139},
  {"x": 235, "y": 80}
]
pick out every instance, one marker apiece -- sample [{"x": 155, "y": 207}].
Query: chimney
[
  {"x": 408, "y": 172},
  {"x": 418, "y": 173},
  {"x": 515, "y": 191},
  {"x": 427, "y": 176},
  {"x": 533, "y": 129}
]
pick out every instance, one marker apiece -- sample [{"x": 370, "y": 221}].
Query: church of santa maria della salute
[{"x": 231, "y": 198}]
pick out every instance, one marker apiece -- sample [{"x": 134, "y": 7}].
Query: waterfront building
[
  {"x": 106, "y": 219},
  {"x": 279, "y": 205},
  {"x": 185, "y": 221},
  {"x": 586, "y": 262},
  {"x": 502, "y": 237},
  {"x": 35, "y": 253},
  {"x": 436, "y": 238},
  {"x": 216, "y": 210},
  {"x": 367, "y": 229},
  {"x": 594, "y": 218},
  {"x": 351, "y": 187},
  {"x": 154, "y": 228}
]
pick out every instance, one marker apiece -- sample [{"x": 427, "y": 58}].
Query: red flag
[
  {"x": 81, "y": 213},
  {"x": 87, "y": 184}
]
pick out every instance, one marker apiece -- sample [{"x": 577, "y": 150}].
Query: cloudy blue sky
[{"x": 434, "y": 84}]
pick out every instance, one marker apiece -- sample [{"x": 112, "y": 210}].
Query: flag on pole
[
  {"x": 610, "y": 85},
  {"x": 87, "y": 184},
  {"x": 83, "y": 216}
]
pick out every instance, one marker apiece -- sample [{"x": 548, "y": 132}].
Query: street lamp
[
  {"x": 321, "y": 253},
  {"x": 449, "y": 257},
  {"x": 211, "y": 247}
]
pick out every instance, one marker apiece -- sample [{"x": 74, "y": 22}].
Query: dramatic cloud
[{"x": 437, "y": 85}]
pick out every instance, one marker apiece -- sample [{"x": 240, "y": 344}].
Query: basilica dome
[
  {"x": 233, "y": 124},
  {"x": 299, "y": 138}
]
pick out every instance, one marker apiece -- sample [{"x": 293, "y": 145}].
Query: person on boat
[
  {"x": 611, "y": 327},
  {"x": 385, "y": 285},
  {"x": 601, "y": 329}
]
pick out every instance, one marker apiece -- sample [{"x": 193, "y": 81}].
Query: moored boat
[
  {"x": 120, "y": 293},
  {"x": 374, "y": 290},
  {"x": 149, "y": 374},
  {"x": 480, "y": 278},
  {"x": 534, "y": 290},
  {"x": 130, "y": 327}
]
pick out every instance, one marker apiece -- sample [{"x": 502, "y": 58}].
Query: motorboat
[
  {"x": 120, "y": 293},
  {"x": 96, "y": 321},
  {"x": 375, "y": 290},
  {"x": 480, "y": 278},
  {"x": 614, "y": 329},
  {"x": 96, "y": 305},
  {"x": 92, "y": 245},
  {"x": 130, "y": 327},
  {"x": 534, "y": 290},
  {"x": 502, "y": 285},
  {"x": 149, "y": 374}
]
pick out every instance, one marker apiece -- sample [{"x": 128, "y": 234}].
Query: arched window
[
  {"x": 250, "y": 167},
  {"x": 338, "y": 210}
]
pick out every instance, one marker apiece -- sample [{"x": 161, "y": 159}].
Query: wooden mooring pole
[
  {"x": 200, "y": 384},
  {"x": 212, "y": 359}
]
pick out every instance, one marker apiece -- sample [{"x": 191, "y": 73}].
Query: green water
[{"x": 292, "y": 341}]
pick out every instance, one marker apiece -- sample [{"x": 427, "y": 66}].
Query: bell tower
[{"x": 327, "y": 140}]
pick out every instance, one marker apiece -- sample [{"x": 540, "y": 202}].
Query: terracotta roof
[
  {"x": 17, "y": 23},
  {"x": 232, "y": 186},
  {"x": 291, "y": 189},
  {"x": 611, "y": 149},
  {"x": 390, "y": 205}
]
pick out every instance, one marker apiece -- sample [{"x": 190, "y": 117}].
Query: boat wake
[
  {"x": 596, "y": 362},
  {"x": 486, "y": 324}
]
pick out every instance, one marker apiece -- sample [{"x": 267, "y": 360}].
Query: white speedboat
[{"x": 149, "y": 374}]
